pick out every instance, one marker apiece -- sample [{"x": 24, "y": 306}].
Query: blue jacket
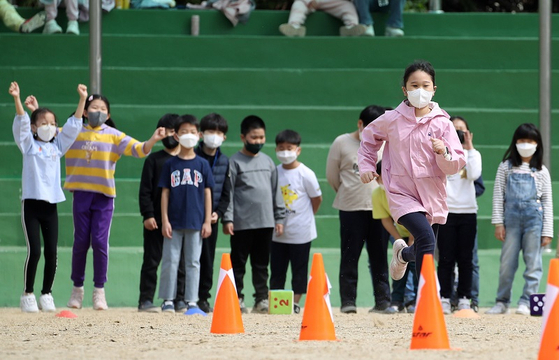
[{"x": 220, "y": 168}]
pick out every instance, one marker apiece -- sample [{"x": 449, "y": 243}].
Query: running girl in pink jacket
[{"x": 421, "y": 149}]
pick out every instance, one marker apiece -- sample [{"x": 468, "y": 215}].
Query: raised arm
[
  {"x": 14, "y": 91},
  {"x": 82, "y": 90}
]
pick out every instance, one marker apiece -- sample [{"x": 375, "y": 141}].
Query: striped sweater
[
  {"x": 543, "y": 190},
  {"x": 90, "y": 162}
]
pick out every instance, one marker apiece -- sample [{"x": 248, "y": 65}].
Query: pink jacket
[{"x": 414, "y": 176}]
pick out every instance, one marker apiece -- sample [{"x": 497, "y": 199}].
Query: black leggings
[
  {"x": 39, "y": 216},
  {"x": 425, "y": 238}
]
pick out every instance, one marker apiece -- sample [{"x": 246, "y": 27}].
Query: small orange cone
[
  {"x": 227, "y": 312},
  {"x": 429, "y": 328},
  {"x": 549, "y": 345},
  {"x": 318, "y": 320},
  {"x": 66, "y": 314}
]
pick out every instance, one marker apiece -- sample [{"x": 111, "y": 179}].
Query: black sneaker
[
  {"x": 204, "y": 305},
  {"x": 180, "y": 306},
  {"x": 380, "y": 308},
  {"x": 296, "y": 308},
  {"x": 474, "y": 305},
  {"x": 348, "y": 309},
  {"x": 147, "y": 306}
]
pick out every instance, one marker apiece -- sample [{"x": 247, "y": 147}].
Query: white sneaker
[
  {"x": 498, "y": 309},
  {"x": 397, "y": 265},
  {"x": 33, "y": 23},
  {"x": 261, "y": 307},
  {"x": 393, "y": 32},
  {"x": 369, "y": 31},
  {"x": 28, "y": 303},
  {"x": 464, "y": 304},
  {"x": 46, "y": 303},
  {"x": 447, "y": 309},
  {"x": 76, "y": 299},
  {"x": 99, "y": 302},
  {"x": 73, "y": 27},
  {"x": 352, "y": 30},
  {"x": 52, "y": 27},
  {"x": 523, "y": 309},
  {"x": 291, "y": 30}
]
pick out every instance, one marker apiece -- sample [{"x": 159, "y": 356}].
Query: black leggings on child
[
  {"x": 424, "y": 238},
  {"x": 39, "y": 216}
]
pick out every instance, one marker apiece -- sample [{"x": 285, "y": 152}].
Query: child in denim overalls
[{"x": 522, "y": 215}]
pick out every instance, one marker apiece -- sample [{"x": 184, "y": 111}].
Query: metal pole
[
  {"x": 95, "y": 46},
  {"x": 435, "y": 6},
  {"x": 545, "y": 84}
]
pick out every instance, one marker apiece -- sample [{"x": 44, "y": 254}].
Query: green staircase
[{"x": 487, "y": 72}]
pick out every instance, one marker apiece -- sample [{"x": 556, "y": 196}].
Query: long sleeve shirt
[
  {"x": 255, "y": 198},
  {"x": 91, "y": 161},
  {"x": 41, "y": 160},
  {"x": 543, "y": 194},
  {"x": 461, "y": 191}
]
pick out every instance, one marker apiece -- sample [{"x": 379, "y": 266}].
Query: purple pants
[{"x": 93, "y": 213}]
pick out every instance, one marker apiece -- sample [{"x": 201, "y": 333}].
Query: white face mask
[
  {"x": 526, "y": 149},
  {"x": 360, "y": 135},
  {"x": 213, "y": 141},
  {"x": 188, "y": 140},
  {"x": 420, "y": 98},
  {"x": 286, "y": 157},
  {"x": 46, "y": 132}
]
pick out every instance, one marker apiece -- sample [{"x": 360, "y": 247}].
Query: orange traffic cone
[
  {"x": 549, "y": 345},
  {"x": 318, "y": 320},
  {"x": 429, "y": 328},
  {"x": 227, "y": 313}
]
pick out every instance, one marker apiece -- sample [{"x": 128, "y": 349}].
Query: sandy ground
[{"x": 126, "y": 334}]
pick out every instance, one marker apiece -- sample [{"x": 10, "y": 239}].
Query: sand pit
[{"x": 124, "y": 333}]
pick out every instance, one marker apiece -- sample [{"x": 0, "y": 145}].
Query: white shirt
[
  {"x": 460, "y": 188},
  {"x": 298, "y": 186}
]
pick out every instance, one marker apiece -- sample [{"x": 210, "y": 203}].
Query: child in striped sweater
[{"x": 90, "y": 167}]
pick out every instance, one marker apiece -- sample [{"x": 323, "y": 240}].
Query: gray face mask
[{"x": 96, "y": 118}]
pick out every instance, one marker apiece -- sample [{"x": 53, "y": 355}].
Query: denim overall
[{"x": 523, "y": 226}]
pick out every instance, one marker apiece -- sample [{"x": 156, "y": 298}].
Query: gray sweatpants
[
  {"x": 341, "y": 9},
  {"x": 190, "y": 242}
]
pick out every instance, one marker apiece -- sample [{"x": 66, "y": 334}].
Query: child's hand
[
  {"x": 150, "y": 224},
  {"x": 228, "y": 229},
  {"x": 368, "y": 176},
  {"x": 14, "y": 89},
  {"x": 82, "y": 90},
  {"x": 214, "y": 217},
  {"x": 500, "y": 232},
  {"x": 167, "y": 230},
  {"x": 206, "y": 230},
  {"x": 546, "y": 240},
  {"x": 279, "y": 229},
  {"x": 159, "y": 134},
  {"x": 438, "y": 146},
  {"x": 31, "y": 103}
]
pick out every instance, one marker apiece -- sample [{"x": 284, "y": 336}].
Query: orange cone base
[
  {"x": 466, "y": 314},
  {"x": 226, "y": 318}
]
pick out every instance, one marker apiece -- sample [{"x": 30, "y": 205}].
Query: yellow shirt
[{"x": 382, "y": 211}]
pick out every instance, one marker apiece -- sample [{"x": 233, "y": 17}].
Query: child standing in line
[
  {"x": 457, "y": 237},
  {"x": 42, "y": 149},
  {"x": 150, "y": 208},
  {"x": 302, "y": 198},
  {"x": 186, "y": 214},
  {"x": 255, "y": 210},
  {"x": 522, "y": 215},
  {"x": 421, "y": 149},
  {"x": 90, "y": 168},
  {"x": 382, "y": 211},
  {"x": 214, "y": 131}
]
